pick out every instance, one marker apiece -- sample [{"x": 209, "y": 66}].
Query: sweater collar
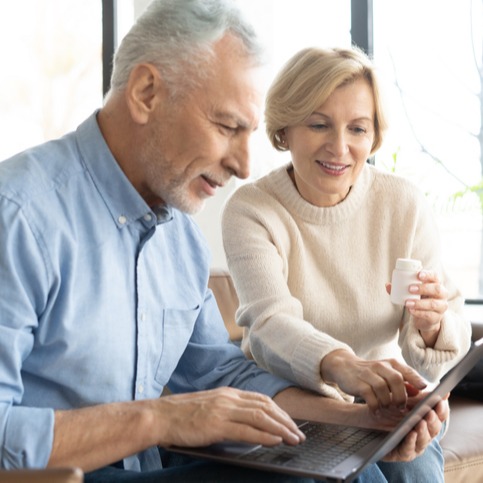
[{"x": 288, "y": 195}]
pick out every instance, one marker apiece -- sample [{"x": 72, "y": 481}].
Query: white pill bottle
[{"x": 404, "y": 274}]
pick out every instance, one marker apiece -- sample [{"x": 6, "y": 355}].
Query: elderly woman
[{"x": 311, "y": 247}]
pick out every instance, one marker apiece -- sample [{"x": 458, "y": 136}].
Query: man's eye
[{"x": 231, "y": 129}]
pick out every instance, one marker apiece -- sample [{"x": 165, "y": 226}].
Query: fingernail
[
  {"x": 410, "y": 303},
  {"x": 414, "y": 288},
  {"x": 295, "y": 438},
  {"x": 423, "y": 274}
]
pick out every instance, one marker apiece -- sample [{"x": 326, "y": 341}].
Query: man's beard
[
  {"x": 177, "y": 194},
  {"x": 174, "y": 189},
  {"x": 165, "y": 183}
]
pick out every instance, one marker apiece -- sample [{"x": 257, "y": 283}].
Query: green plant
[{"x": 476, "y": 189}]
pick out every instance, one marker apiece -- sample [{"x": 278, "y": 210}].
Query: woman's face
[{"x": 330, "y": 147}]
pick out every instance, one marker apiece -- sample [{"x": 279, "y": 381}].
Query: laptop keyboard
[{"x": 326, "y": 446}]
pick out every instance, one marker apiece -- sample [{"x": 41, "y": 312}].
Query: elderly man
[{"x": 104, "y": 274}]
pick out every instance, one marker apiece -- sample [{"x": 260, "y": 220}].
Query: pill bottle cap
[{"x": 408, "y": 264}]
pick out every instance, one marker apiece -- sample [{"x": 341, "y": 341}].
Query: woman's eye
[
  {"x": 318, "y": 126},
  {"x": 359, "y": 130}
]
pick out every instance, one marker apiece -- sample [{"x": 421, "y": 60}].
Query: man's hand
[
  {"x": 381, "y": 384},
  {"x": 203, "y": 418},
  {"x": 96, "y": 436}
]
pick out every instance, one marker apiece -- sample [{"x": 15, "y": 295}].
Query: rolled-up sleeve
[
  {"x": 26, "y": 433},
  {"x": 27, "y": 436}
]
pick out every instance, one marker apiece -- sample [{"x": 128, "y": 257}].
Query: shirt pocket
[{"x": 178, "y": 326}]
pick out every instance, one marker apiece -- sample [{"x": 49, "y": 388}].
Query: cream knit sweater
[{"x": 311, "y": 280}]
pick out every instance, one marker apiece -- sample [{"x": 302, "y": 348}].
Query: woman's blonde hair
[{"x": 308, "y": 79}]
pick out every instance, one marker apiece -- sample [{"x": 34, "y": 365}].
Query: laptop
[{"x": 334, "y": 452}]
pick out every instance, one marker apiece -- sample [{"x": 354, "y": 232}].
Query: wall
[{"x": 209, "y": 220}]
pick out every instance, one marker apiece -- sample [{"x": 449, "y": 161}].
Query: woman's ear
[
  {"x": 144, "y": 91},
  {"x": 283, "y": 138}
]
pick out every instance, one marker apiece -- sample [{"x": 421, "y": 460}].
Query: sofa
[{"x": 463, "y": 443}]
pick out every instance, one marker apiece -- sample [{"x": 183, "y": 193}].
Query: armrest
[
  {"x": 477, "y": 328},
  {"x": 221, "y": 284},
  {"x": 475, "y": 314},
  {"x": 60, "y": 475}
]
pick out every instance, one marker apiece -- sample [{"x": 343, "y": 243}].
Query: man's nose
[{"x": 238, "y": 161}]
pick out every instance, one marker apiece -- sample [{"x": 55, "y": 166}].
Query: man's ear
[{"x": 145, "y": 89}]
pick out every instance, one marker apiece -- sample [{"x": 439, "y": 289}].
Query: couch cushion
[{"x": 463, "y": 442}]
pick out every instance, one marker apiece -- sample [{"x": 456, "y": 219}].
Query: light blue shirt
[{"x": 102, "y": 298}]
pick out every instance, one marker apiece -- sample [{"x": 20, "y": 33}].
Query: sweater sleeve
[
  {"x": 257, "y": 242},
  {"x": 455, "y": 335}
]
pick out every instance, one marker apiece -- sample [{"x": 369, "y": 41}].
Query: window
[
  {"x": 431, "y": 53},
  {"x": 51, "y": 69},
  {"x": 435, "y": 89}
]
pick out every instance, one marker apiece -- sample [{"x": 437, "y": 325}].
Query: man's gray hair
[{"x": 177, "y": 37}]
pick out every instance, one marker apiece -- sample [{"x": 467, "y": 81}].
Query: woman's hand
[
  {"x": 413, "y": 444},
  {"x": 429, "y": 311},
  {"x": 417, "y": 440},
  {"x": 382, "y": 384},
  {"x": 302, "y": 404}
]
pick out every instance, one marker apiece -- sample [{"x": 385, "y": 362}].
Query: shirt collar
[{"x": 121, "y": 198}]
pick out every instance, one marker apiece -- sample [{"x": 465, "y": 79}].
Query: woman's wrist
[{"x": 331, "y": 363}]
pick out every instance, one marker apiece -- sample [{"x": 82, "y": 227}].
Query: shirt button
[
  {"x": 148, "y": 217},
  {"x": 142, "y": 316},
  {"x": 122, "y": 220},
  {"x": 140, "y": 389}
]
